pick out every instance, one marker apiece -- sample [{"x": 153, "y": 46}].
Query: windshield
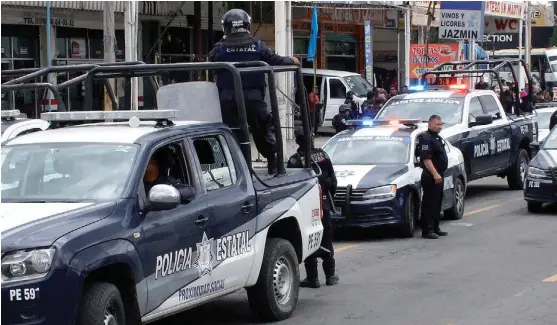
[
  {"x": 358, "y": 85},
  {"x": 450, "y": 110},
  {"x": 543, "y": 119},
  {"x": 76, "y": 172},
  {"x": 368, "y": 150},
  {"x": 551, "y": 141}
]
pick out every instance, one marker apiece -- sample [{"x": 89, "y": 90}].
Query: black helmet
[
  {"x": 300, "y": 137},
  {"x": 349, "y": 94},
  {"x": 236, "y": 21},
  {"x": 343, "y": 108}
]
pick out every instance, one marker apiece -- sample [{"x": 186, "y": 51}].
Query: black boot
[
  {"x": 329, "y": 269},
  {"x": 272, "y": 165},
  {"x": 438, "y": 230},
  {"x": 312, "y": 279}
]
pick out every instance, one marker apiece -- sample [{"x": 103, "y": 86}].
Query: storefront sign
[
  {"x": 438, "y": 54},
  {"x": 347, "y": 15},
  {"x": 461, "y": 20},
  {"x": 78, "y": 48},
  {"x": 53, "y": 21},
  {"x": 504, "y": 9},
  {"x": 368, "y": 51}
]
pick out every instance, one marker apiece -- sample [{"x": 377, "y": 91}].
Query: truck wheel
[
  {"x": 409, "y": 223},
  {"x": 515, "y": 176},
  {"x": 101, "y": 305},
  {"x": 457, "y": 210},
  {"x": 535, "y": 207},
  {"x": 275, "y": 295}
]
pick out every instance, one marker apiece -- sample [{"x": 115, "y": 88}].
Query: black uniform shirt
[
  {"x": 432, "y": 146},
  {"x": 327, "y": 180}
]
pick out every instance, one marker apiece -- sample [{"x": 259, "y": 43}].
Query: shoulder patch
[{"x": 425, "y": 147}]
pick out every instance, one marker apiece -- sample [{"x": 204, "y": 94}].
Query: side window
[
  {"x": 216, "y": 162},
  {"x": 337, "y": 88},
  {"x": 490, "y": 105},
  {"x": 475, "y": 109},
  {"x": 166, "y": 166}
]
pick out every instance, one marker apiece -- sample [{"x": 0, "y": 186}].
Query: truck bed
[{"x": 293, "y": 175}]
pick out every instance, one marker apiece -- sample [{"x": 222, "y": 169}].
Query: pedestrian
[
  {"x": 328, "y": 182},
  {"x": 313, "y": 99},
  {"x": 238, "y": 45},
  {"x": 354, "y": 109},
  {"x": 434, "y": 162},
  {"x": 404, "y": 89},
  {"x": 339, "y": 120}
]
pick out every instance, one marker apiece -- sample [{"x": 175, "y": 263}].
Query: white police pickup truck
[
  {"x": 84, "y": 242},
  {"x": 492, "y": 142}
]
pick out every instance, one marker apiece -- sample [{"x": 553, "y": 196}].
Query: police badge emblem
[
  {"x": 205, "y": 258},
  {"x": 492, "y": 144}
]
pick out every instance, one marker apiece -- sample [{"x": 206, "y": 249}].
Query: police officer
[
  {"x": 238, "y": 45},
  {"x": 434, "y": 161},
  {"x": 328, "y": 182},
  {"x": 339, "y": 120}
]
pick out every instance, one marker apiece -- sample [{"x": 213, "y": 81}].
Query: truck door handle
[
  {"x": 246, "y": 208},
  {"x": 201, "y": 220}
]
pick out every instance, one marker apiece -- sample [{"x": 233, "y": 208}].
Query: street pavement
[{"x": 497, "y": 266}]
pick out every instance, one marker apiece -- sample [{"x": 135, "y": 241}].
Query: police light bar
[
  {"x": 151, "y": 115},
  {"x": 416, "y": 88},
  {"x": 11, "y": 113},
  {"x": 364, "y": 123}
]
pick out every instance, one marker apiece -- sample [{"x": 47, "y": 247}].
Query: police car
[
  {"x": 492, "y": 142},
  {"x": 13, "y": 124},
  {"x": 540, "y": 185},
  {"x": 379, "y": 178},
  {"x": 84, "y": 242}
]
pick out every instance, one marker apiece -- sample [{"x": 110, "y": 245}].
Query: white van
[{"x": 333, "y": 86}]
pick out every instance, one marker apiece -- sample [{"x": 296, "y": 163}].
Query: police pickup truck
[
  {"x": 124, "y": 223},
  {"x": 474, "y": 121}
]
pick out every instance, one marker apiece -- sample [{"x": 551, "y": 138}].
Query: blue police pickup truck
[
  {"x": 491, "y": 141},
  {"x": 127, "y": 223}
]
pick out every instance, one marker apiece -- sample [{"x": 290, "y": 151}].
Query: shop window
[
  {"x": 121, "y": 45},
  {"x": 301, "y": 46},
  {"x": 24, "y": 48},
  {"x": 6, "y": 47},
  {"x": 61, "y": 48},
  {"x": 341, "y": 63},
  {"x": 340, "y": 48}
]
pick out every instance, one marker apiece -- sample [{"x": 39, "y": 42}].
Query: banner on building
[
  {"x": 368, "y": 51},
  {"x": 438, "y": 54},
  {"x": 462, "y": 20},
  {"x": 505, "y": 9}
]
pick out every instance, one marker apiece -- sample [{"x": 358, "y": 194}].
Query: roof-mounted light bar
[
  {"x": 149, "y": 115},
  {"x": 369, "y": 122},
  {"x": 11, "y": 113}
]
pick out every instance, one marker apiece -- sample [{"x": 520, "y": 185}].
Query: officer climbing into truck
[
  {"x": 328, "y": 182},
  {"x": 238, "y": 45}
]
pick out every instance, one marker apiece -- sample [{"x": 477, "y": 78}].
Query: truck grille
[{"x": 355, "y": 194}]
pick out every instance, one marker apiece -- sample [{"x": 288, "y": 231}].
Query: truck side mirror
[
  {"x": 482, "y": 120},
  {"x": 163, "y": 197}
]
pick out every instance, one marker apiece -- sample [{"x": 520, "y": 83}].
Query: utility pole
[
  {"x": 528, "y": 40},
  {"x": 130, "y": 31},
  {"x": 109, "y": 38},
  {"x": 430, "y": 18}
]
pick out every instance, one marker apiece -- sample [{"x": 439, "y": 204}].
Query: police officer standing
[
  {"x": 238, "y": 45},
  {"x": 328, "y": 182},
  {"x": 434, "y": 161}
]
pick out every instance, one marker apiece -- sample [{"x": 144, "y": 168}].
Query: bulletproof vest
[{"x": 229, "y": 52}]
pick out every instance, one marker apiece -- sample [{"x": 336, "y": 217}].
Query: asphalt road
[{"x": 497, "y": 266}]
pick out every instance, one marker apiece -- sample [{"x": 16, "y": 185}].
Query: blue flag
[{"x": 313, "y": 37}]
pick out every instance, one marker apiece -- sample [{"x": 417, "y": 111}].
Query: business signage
[
  {"x": 461, "y": 20},
  {"x": 368, "y": 51},
  {"x": 505, "y": 9},
  {"x": 437, "y": 54}
]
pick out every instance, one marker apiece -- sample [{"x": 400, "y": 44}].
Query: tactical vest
[{"x": 239, "y": 53}]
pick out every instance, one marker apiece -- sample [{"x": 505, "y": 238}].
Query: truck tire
[
  {"x": 457, "y": 210},
  {"x": 516, "y": 173},
  {"x": 275, "y": 295},
  {"x": 534, "y": 207},
  {"x": 409, "y": 224},
  {"x": 101, "y": 305}
]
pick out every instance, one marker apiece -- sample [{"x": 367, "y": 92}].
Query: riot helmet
[
  {"x": 236, "y": 21},
  {"x": 301, "y": 138}
]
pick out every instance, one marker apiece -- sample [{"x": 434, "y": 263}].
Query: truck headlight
[
  {"x": 536, "y": 172},
  {"x": 382, "y": 192},
  {"x": 27, "y": 265}
]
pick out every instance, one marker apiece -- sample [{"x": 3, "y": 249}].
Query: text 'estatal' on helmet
[{"x": 236, "y": 21}]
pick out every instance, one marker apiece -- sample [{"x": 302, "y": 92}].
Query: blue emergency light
[
  {"x": 416, "y": 88},
  {"x": 370, "y": 123}
]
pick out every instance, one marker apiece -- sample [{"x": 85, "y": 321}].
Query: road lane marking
[
  {"x": 552, "y": 278},
  {"x": 343, "y": 248},
  {"x": 491, "y": 207}
]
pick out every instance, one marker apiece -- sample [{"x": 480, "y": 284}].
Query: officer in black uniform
[
  {"x": 328, "y": 182},
  {"x": 434, "y": 161},
  {"x": 238, "y": 45}
]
